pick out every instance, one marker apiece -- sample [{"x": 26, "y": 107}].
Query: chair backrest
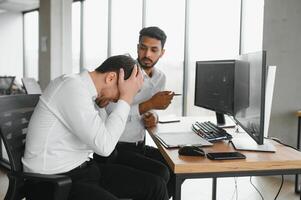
[
  {"x": 31, "y": 86},
  {"x": 6, "y": 83},
  {"x": 15, "y": 113}
]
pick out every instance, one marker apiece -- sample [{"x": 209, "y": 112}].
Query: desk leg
[
  {"x": 297, "y": 184},
  {"x": 214, "y": 182},
  {"x": 178, "y": 185},
  {"x": 297, "y": 190}
]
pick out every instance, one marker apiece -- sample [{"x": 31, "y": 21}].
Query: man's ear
[
  {"x": 162, "y": 52},
  {"x": 111, "y": 77}
]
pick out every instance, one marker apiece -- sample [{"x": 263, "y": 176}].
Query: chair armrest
[{"x": 62, "y": 183}]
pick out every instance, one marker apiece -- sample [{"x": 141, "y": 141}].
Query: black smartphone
[{"x": 225, "y": 155}]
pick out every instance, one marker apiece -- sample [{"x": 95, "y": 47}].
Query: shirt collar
[
  {"x": 143, "y": 72},
  {"x": 154, "y": 73},
  {"x": 86, "y": 78}
]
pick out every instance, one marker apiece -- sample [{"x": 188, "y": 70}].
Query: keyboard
[{"x": 210, "y": 131}]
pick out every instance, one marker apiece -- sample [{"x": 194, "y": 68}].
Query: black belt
[
  {"x": 135, "y": 144},
  {"x": 82, "y": 166}
]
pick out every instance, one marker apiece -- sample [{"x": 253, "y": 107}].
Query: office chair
[
  {"x": 31, "y": 86},
  {"x": 6, "y": 83},
  {"x": 15, "y": 113}
]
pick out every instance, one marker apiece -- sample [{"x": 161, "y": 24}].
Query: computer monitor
[
  {"x": 254, "y": 117},
  {"x": 215, "y": 81},
  {"x": 251, "y": 118},
  {"x": 237, "y": 88}
]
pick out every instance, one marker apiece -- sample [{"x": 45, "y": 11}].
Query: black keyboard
[{"x": 210, "y": 131}]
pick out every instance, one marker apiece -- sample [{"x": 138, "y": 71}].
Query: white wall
[
  {"x": 282, "y": 40},
  {"x": 11, "y": 44}
]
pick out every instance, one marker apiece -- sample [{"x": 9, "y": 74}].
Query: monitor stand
[
  {"x": 221, "y": 121},
  {"x": 248, "y": 144}
]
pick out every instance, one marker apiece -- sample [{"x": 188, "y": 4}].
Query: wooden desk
[{"x": 285, "y": 161}]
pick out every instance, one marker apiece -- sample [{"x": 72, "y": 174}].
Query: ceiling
[{"x": 18, "y": 5}]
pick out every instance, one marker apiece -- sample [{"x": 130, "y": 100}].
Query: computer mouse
[{"x": 191, "y": 151}]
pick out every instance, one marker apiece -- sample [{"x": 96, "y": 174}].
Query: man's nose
[{"x": 148, "y": 53}]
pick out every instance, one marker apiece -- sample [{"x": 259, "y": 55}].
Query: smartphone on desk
[{"x": 225, "y": 155}]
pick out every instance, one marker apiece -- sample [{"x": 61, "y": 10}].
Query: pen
[{"x": 177, "y": 94}]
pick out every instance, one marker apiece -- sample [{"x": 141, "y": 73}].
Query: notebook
[{"x": 178, "y": 139}]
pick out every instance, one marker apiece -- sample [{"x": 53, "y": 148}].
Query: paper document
[
  {"x": 168, "y": 119},
  {"x": 178, "y": 139}
]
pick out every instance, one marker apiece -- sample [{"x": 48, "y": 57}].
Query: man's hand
[
  {"x": 161, "y": 100},
  {"x": 149, "y": 119},
  {"x": 129, "y": 88},
  {"x": 102, "y": 102}
]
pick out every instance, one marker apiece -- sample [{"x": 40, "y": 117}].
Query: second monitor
[{"x": 214, "y": 84}]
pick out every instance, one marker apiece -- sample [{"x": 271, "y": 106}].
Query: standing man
[
  {"x": 67, "y": 126},
  {"x": 131, "y": 147}
]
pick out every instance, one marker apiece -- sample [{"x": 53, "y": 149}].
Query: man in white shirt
[
  {"x": 67, "y": 126},
  {"x": 142, "y": 115}
]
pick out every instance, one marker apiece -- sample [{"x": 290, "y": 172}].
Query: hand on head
[
  {"x": 129, "y": 88},
  {"x": 161, "y": 100}
]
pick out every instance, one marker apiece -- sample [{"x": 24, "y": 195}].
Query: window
[
  {"x": 76, "y": 20},
  {"x": 95, "y": 33},
  {"x": 252, "y": 25},
  {"x": 214, "y": 32},
  {"x": 126, "y": 24},
  {"x": 158, "y": 13},
  {"x": 31, "y": 44}
]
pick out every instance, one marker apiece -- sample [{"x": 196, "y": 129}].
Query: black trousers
[
  {"x": 145, "y": 158},
  {"x": 107, "y": 181}
]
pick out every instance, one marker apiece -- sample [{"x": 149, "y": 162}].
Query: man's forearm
[{"x": 145, "y": 107}]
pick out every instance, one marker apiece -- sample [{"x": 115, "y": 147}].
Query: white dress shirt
[
  {"x": 67, "y": 126},
  {"x": 134, "y": 130}
]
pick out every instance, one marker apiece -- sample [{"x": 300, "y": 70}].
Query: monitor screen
[
  {"x": 217, "y": 82},
  {"x": 214, "y": 83},
  {"x": 251, "y": 117}
]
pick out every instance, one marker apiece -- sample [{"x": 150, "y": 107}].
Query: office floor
[
  {"x": 268, "y": 186},
  {"x": 200, "y": 189}
]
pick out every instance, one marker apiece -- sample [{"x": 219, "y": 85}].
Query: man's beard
[{"x": 147, "y": 66}]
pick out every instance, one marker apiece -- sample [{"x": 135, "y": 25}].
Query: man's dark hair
[
  {"x": 153, "y": 32},
  {"x": 114, "y": 63}
]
